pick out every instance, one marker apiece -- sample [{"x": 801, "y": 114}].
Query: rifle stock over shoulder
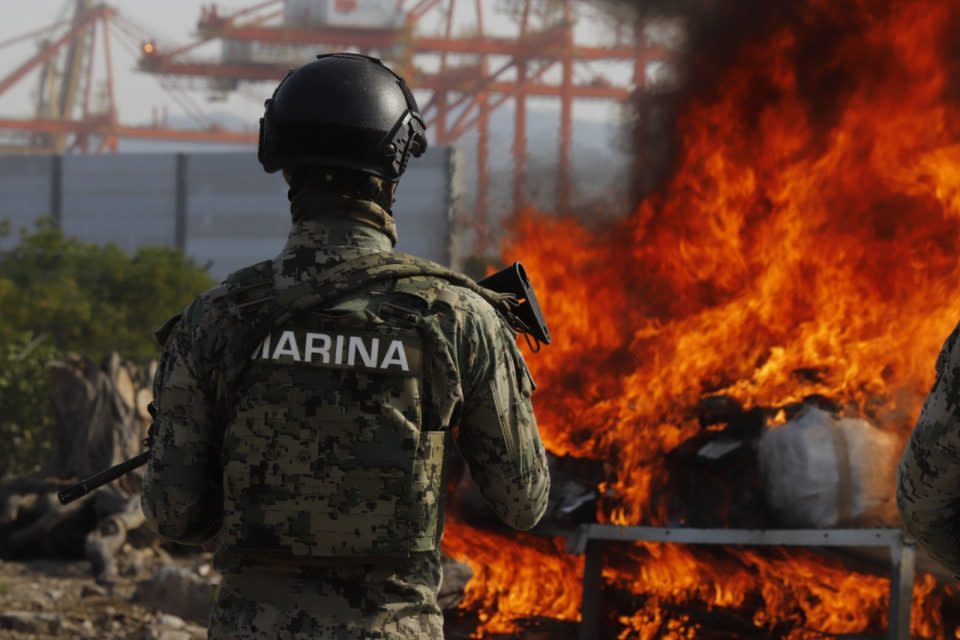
[{"x": 527, "y": 313}]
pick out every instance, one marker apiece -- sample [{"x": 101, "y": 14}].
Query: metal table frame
[{"x": 591, "y": 537}]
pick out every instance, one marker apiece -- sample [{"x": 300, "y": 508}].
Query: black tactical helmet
[{"x": 342, "y": 110}]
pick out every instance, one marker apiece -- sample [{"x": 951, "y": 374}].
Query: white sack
[{"x": 823, "y": 471}]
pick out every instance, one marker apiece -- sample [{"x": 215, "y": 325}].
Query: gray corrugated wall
[
  {"x": 425, "y": 206},
  {"x": 221, "y": 207},
  {"x": 125, "y": 199},
  {"x": 236, "y": 214},
  {"x": 26, "y": 193}
]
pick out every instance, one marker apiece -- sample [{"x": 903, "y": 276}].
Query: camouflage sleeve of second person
[
  {"x": 928, "y": 479},
  {"x": 498, "y": 434},
  {"x": 181, "y": 496}
]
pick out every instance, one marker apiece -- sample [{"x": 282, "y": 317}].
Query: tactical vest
[{"x": 339, "y": 413}]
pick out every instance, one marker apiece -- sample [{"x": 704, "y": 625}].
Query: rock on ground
[{"x": 179, "y": 591}]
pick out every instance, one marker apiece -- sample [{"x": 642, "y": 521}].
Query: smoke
[
  {"x": 720, "y": 34},
  {"x": 711, "y": 33}
]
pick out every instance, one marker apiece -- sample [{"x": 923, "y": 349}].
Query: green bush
[
  {"x": 59, "y": 294},
  {"x": 90, "y": 298},
  {"x": 25, "y": 420}
]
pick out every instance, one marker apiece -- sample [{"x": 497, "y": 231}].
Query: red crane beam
[
  {"x": 420, "y": 9},
  {"x": 363, "y": 38},
  {"x": 564, "y": 173},
  {"x": 270, "y": 72},
  {"x": 247, "y": 71},
  {"x": 531, "y": 46},
  {"x": 110, "y": 141},
  {"x": 253, "y": 9},
  {"x": 31, "y": 34},
  {"x": 481, "y": 214},
  {"x": 91, "y": 63},
  {"x": 222, "y": 136},
  {"x": 463, "y": 124},
  {"x": 103, "y": 126},
  {"x": 520, "y": 120},
  {"x": 454, "y": 76},
  {"x": 45, "y": 125},
  {"x": 474, "y": 84},
  {"x": 53, "y": 48}
]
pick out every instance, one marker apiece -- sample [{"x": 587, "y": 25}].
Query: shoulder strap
[{"x": 359, "y": 272}]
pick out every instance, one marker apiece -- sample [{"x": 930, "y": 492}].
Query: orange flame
[
  {"x": 519, "y": 576},
  {"x": 813, "y": 224}
]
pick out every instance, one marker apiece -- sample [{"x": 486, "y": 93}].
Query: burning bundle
[{"x": 803, "y": 466}]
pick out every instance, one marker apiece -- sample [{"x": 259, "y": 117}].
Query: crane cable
[{"x": 34, "y": 33}]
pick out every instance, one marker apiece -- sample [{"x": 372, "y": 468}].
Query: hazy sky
[{"x": 174, "y": 21}]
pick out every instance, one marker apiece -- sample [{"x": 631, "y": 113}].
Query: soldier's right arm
[
  {"x": 928, "y": 480},
  {"x": 498, "y": 434},
  {"x": 181, "y": 497}
]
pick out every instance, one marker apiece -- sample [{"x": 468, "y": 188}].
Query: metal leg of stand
[
  {"x": 903, "y": 557},
  {"x": 592, "y": 584}
]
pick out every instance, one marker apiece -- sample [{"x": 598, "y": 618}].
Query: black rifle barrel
[{"x": 84, "y": 487}]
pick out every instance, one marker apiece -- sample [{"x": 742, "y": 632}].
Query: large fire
[{"x": 812, "y": 224}]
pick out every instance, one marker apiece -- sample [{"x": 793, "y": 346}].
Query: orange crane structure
[
  {"x": 66, "y": 117},
  {"x": 467, "y": 76}
]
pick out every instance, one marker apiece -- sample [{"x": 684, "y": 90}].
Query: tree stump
[{"x": 100, "y": 420}]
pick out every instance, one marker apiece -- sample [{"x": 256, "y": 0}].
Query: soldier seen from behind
[{"x": 304, "y": 405}]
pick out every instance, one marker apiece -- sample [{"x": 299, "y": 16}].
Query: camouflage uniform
[
  {"x": 276, "y": 595},
  {"x": 928, "y": 479}
]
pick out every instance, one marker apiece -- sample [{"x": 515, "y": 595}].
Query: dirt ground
[{"x": 59, "y": 599}]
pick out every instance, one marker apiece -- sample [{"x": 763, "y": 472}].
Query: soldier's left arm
[
  {"x": 498, "y": 435},
  {"x": 928, "y": 478},
  {"x": 182, "y": 493}
]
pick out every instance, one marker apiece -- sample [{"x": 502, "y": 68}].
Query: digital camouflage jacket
[
  {"x": 272, "y": 594},
  {"x": 928, "y": 479}
]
